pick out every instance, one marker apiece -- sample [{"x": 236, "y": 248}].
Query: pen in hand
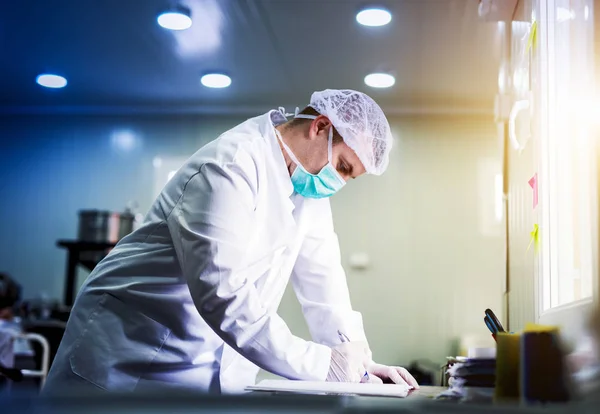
[{"x": 344, "y": 338}]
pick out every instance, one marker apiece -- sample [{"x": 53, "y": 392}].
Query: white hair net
[{"x": 361, "y": 123}]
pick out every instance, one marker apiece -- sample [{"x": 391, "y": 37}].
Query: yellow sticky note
[
  {"x": 531, "y": 42},
  {"x": 534, "y": 238}
]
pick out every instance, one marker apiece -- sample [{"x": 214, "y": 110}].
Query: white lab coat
[{"x": 189, "y": 300}]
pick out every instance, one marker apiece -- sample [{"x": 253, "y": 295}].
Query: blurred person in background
[
  {"x": 189, "y": 300},
  {"x": 10, "y": 294}
]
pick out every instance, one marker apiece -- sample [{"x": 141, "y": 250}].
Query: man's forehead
[{"x": 351, "y": 156}]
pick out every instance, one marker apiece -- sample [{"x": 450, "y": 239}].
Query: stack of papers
[
  {"x": 320, "y": 387},
  {"x": 471, "y": 379}
]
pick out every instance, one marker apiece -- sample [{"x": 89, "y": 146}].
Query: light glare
[
  {"x": 563, "y": 14},
  {"x": 124, "y": 140},
  {"x": 174, "y": 21},
  {"x": 374, "y": 17},
  {"x": 380, "y": 80},
  {"x": 51, "y": 81},
  {"x": 216, "y": 80}
]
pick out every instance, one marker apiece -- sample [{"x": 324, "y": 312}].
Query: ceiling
[{"x": 117, "y": 58}]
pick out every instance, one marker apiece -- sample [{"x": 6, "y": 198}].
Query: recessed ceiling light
[
  {"x": 216, "y": 80},
  {"x": 178, "y": 18},
  {"x": 49, "y": 80},
  {"x": 380, "y": 80},
  {"x": 374, "y": 16}
]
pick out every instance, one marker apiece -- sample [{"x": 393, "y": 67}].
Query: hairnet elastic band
[{"x": 287, "y": 114}]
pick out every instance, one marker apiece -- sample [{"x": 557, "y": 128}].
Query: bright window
[{"x": 567, "y": 154}]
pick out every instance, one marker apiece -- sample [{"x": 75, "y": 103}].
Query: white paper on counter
[{"x": 322, "y": 387}]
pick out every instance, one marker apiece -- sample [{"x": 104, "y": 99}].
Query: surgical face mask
[{"x": 325, "y": 183}]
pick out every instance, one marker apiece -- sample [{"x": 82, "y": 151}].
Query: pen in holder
[
  {"x": 530, "y": 367},
  {"x": 493, "y": 324}
]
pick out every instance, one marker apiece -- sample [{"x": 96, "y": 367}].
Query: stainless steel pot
[{"x": 103, "y": 226}]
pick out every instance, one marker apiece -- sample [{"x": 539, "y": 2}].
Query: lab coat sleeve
[
  {"x": 320, "y": 285},
  {"x": 211, "y": 226}
]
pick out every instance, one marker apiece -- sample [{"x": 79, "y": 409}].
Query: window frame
[{"x": 570, "y": 316}]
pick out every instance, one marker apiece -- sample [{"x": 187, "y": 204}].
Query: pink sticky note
[{"x": 534, "y": 186}]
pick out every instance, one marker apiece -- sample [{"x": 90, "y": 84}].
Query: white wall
[
  {"x": 53, "y": 166},
  {"x": 428, "y": 224}
]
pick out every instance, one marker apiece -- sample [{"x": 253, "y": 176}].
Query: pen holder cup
[
  {"x": 543, "y": 369},
  {"x": 507, "y": 367}
]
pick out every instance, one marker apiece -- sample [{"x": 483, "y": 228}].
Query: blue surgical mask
[{"x": 325, "y": 183}]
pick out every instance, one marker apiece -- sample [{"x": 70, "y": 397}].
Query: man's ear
[{"x": 319, "y": 127}]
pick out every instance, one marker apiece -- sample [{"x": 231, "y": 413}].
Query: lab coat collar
[{"x": 271, "y": 120}]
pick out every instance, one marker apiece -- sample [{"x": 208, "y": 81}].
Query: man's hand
[
  {"x": 348, "y": 362},
  {"x": 395, "y": 375}
]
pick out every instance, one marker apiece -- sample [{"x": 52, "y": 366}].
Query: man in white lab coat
[{"x": 190, "y": 299}]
